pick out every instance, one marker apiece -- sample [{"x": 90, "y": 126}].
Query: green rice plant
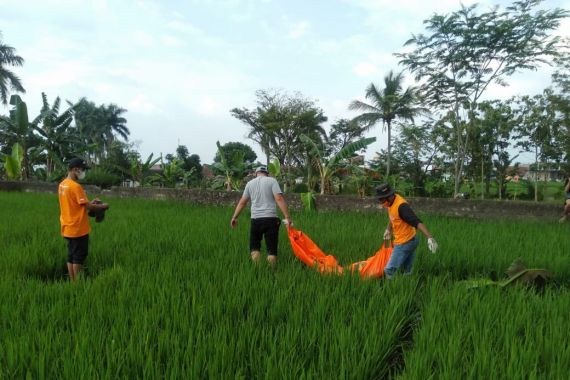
[
  {"x": 510, "y": 333},
  {"x": 170, "y": 292}
]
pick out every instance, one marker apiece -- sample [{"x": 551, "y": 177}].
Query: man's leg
[
  {"x": 396, "y": 260},
  {"x": 70, "y": 250},
  {"x": 272, "y": 240},
  {"x": 255, "y": 240},
  {"x": 70, "y": 271},
  {"x": 76, "y": 269},
  {"x": 79, "y": 254},
  {"x": 410, "y": 251}
]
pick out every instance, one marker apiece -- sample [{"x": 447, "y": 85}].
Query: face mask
[{"x": 81, "y": 174}]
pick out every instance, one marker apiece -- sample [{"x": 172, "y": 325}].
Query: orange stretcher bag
[
  {"x": 374, "y": 266},
  {"x": 310, "y": 254}
]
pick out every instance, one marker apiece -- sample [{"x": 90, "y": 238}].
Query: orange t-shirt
[
  {"x": 73, "y": 213},
  {"x": 403, "y": 232}
]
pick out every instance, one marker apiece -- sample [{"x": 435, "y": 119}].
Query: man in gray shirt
[{"x": 264, "y": 193}]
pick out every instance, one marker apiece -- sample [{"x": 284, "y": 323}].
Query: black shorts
[
  {"x": 77, "y": 249},
  {"x": 268, "y": 227}
]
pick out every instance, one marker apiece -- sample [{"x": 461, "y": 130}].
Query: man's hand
[
  {"x": 387, "y": 235},
  {"x": 233, "y": 222},
  {"x": 432, "y": 245},
  {"x": 288, "y": 222}
]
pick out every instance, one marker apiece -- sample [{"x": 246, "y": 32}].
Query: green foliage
[
  {"x": 13, "y": 162},
  {"x": 9, "y": 80},
  {"x": 156, "y": 301},
  {"x": 274, "y": 168},
  {"x": 465, "y": 51},
  {"x": 386, "y": 105},
  {"x": 100, "y": 177},
  {"x": 231, "y": 147},
  {"x": 439, "y": 189},
  {"x": 301, "y": 188},
  {"x": 234, "y": 167},
  {"x": 327, "y": 167},
  {"x": 309, "y": 202}
]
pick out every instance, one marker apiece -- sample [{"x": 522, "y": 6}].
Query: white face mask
[{"x": 81, "y": 174}]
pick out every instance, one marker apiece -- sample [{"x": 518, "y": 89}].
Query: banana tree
[
  {"x": 327, "y": 167},
  {"x": 140, "y": 171},
  {"x": 56, "y": 134},
  {"x": 233, "y": 168},
  {"x": 13, "y": 162},
  {"x": 18, "y": 129}
]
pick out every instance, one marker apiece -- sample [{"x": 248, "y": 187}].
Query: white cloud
[
  {"x": 208, "y": 106},
  {"x": 141, "y": 104},
  {"x": 299, "y": 29},
  {"x": 171, "y": 41},
  {"x": 365, "y": 69},
  {"x": 142, "y": 38}
]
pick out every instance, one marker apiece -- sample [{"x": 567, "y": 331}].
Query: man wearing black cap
[
  {"x": 403, "y": 225},
  {"x": 264, "y": 193},
  {"x": 74, "y": 206}
]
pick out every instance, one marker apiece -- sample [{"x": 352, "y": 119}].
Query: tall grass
[{"x": 170, "y": 291}]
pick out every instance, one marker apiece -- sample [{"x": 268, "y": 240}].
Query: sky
[{"x": 179, "y": 67}]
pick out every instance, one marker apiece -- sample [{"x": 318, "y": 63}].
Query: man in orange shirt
[
  {"x": 74, "y": 205},
  {"x": 403, "y": 225}
]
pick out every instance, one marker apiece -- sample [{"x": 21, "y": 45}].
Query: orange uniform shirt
[
  {"x": 402, "y": 231},
  {"x": 73, "y": 213}
]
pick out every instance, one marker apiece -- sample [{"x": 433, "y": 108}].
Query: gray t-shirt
[{"x": 261, "y": 190}]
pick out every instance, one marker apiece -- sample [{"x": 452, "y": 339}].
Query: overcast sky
[{"x": 178, "y": 67}]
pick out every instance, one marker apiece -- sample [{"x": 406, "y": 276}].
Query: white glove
[
  {"x": 432, "y": 245},
  {"x": 387, "y": 235}
]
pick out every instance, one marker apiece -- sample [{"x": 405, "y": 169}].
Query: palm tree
[
  {"x": 386, "y": 105},
  {"x": 97, "y": 125},
  {"x": 9, "y": 80},
  {"x": 115, "y": 122}
]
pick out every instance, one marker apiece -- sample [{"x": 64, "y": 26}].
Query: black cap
[
  {"x": 77, "y": 163},
  {"x": 383, "y": 191}
]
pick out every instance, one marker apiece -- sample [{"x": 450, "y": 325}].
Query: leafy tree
[
  {"x": 328, "y": 166},
  {"x": 230, "y": 147},
  {"x": 277, "y": 123},
  {"x": 58, "y": 138},
  {"x": 464, "y": 52},
  {"x": 99, "y": 125},
  {"x": 140, "y": 171},
  {"x": 18, "y": 129},
  {"x": 537, "y": 125},
  {"x": 233, "y": 167},
  {"x": 386, "y": 105},
  {"x": 9, "y": 80},
  {"x": 561, "y": 102},
  {"x": 190, "y": 163},
  {"x": 13, "y": 162},
  {"x": 170, "y": 175},
  {"x": 491, "y": 139},
  {"x": 343, "y": 132}
]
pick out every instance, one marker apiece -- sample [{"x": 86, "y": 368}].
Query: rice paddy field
[{"x": 169, "y": 292}]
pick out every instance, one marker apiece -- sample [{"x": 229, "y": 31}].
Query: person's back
[
  {"x": 265, "y": 194},
  {"x": 261, "y": 190}
]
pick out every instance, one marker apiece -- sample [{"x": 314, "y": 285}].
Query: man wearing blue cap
[{"x": 264, "y": 193}]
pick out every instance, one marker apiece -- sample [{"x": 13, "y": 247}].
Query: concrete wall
[{"x": 449, "y": 207}]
